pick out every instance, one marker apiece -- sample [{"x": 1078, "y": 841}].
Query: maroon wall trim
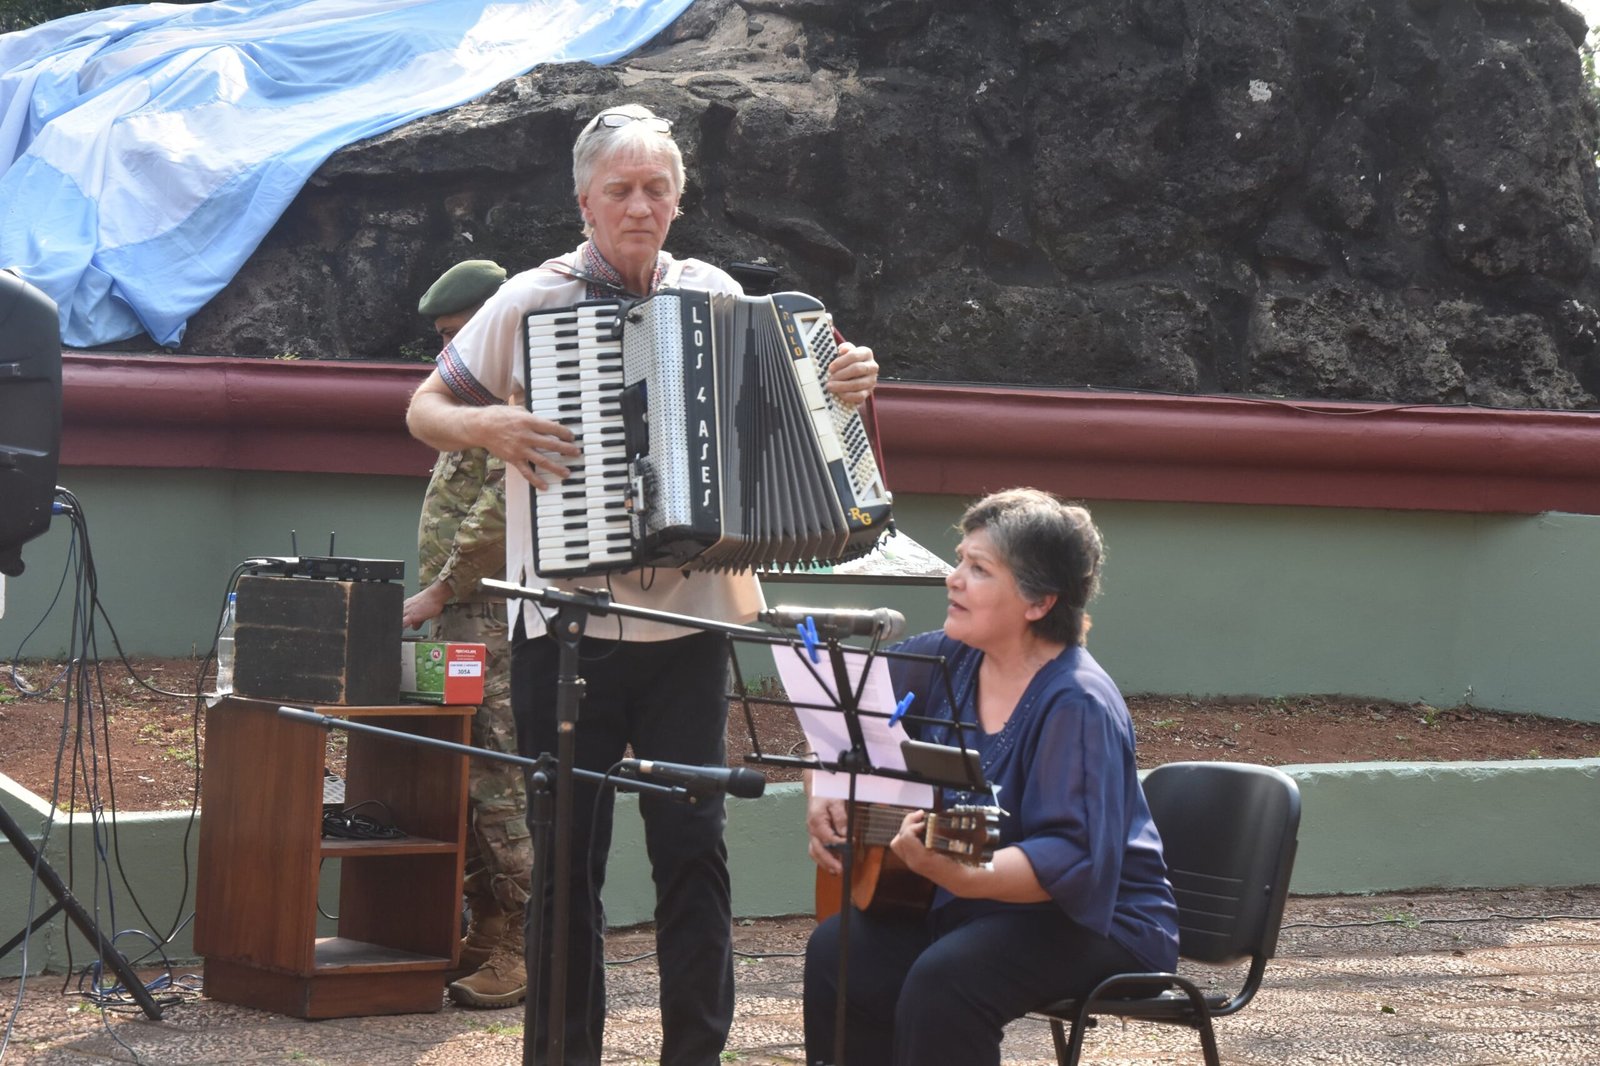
[
  {"x": 1134, "y": 446},
  {"x": 239, "y": 414},
  {"x": 324, "y": 417}
]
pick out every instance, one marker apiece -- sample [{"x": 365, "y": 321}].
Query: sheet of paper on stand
[{"x": 828, "y": 733}]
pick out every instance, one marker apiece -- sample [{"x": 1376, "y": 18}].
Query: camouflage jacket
[{"x": 461, "y": 536}]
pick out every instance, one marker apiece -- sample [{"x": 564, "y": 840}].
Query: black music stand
[{"x": 927, "y": 764}]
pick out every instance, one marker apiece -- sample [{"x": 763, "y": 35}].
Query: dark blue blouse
[{"x": 1063, "y": 767}]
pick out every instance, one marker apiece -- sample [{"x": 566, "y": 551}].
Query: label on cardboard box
[{"x": 446, "y": 672}]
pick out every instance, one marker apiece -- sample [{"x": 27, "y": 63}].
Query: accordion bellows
[{"x": 709, "y": 442}]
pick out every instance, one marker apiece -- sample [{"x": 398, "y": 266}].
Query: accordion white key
[{"x": 708, "y": 440}]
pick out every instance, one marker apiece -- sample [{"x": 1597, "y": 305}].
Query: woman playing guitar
[{"x": 1077, "y": 889}]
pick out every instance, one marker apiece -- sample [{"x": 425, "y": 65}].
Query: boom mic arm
[{"x": 845, "y": 622}]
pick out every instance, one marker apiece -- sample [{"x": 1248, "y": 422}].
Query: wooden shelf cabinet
[{"x": 261, "y": 850}]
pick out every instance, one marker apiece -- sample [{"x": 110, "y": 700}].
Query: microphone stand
[
  {"x": 572, "y": 611},
  {"x": 855, "y": 761}
]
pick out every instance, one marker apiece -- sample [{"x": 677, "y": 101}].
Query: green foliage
[{"x": 1401, "y": 918}]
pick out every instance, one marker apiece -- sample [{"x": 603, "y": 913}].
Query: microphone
[
  {"x": 700, "y": 780},
  {"x": 845, "y": 622}
]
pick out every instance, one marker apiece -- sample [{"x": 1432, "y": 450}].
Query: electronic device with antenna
[{"x": 332, "y": 565}]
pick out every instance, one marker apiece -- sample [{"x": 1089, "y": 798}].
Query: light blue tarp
[{"x": 146, "y": 150}]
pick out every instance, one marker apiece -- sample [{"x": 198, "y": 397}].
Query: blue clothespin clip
[
  {"x": 808, "y": 633},
  {"x": 901, "y": 707}
]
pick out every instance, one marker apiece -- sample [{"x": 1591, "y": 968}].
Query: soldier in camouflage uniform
[{"x": 461, "y": 538}]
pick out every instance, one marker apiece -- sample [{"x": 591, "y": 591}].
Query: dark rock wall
[{"x": 1353, "y": 199}]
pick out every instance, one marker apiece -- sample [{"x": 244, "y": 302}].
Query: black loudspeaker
[
  {"x": 311, "y": 640},
  {"x": 30, "y": 415}
]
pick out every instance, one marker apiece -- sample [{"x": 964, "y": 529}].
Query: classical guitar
[{"x": 880, "y": 883}]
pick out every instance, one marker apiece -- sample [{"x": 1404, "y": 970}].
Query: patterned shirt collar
[{"x": 595, "y": 265}]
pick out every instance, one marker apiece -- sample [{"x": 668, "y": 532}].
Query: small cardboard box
[{"x": 436, "y": 671}]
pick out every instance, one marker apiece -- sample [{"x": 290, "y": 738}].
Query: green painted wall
[
  {"x": 165, "y": 541},
  {"x": 1498, "y": 610},
  {"x": 1495, "y": 610}
]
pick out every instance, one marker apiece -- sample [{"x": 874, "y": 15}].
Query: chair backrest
[{"x": 1228, "y": 831}]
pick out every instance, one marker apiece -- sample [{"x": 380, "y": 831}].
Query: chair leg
[
  {"x": 1069, "y": 1051},
  {"x": 1080, "y": 1024},
  {"x": 1208, "y": 1040},
  {"x": 1201, "y": 1020},
  {"x": 1059, "y": 1035}
]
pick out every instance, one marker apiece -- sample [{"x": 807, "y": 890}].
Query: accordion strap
[
  {"x": 668, "y": 279},
  {"x": 580, "y": 275}
]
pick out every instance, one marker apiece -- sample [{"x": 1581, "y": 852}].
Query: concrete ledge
[
  {"x": 1387, "y": 827},
  {"x": 148, "y": 855},
  {"x": 1366, "y": 827}
]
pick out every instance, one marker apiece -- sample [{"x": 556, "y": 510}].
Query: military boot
[
  {"x": 500, "y": 982},
  {"x": 486, "y": 924}
]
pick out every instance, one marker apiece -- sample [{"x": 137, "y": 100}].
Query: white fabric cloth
[
  {"x": 146, "y": 150},
  {"x": 489, "y": 349}
]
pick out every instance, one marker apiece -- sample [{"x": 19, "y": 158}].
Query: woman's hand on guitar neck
[
  {"x": 1008, "y": 877},
  {"x": 825, "y": 823},
  {"x": 909, "y": 848}
]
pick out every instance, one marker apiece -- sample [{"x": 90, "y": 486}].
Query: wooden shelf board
[
  {"x": 357, "y": 956},
  {"x": 214, "y": 699},
  {"x": 338, "y": 848}
]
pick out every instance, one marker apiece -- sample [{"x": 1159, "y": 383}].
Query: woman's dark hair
[{"x": 1052, "y": 548}]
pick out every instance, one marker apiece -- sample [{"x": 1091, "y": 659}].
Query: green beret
[{"x": 467, "y": 284}]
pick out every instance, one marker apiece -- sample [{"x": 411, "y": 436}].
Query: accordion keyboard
[{"x": 573, "y": 371}]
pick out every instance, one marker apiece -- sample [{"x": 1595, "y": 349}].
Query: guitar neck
[
  {"x": 966, "y": 834},
  {"x": 877, "y": 823}
]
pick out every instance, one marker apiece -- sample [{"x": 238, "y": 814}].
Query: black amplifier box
[{"x": 318, "y": 641}]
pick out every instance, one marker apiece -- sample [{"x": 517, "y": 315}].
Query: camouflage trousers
[{"x": 496, "y": 801}]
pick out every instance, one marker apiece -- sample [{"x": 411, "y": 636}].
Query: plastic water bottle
[{"x": 225, "y": 646}]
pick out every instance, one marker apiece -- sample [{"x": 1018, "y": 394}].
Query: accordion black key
[{"x": 708, "y": 440}]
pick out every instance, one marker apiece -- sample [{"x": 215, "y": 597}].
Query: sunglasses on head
[{"x": 616, "y": 119}]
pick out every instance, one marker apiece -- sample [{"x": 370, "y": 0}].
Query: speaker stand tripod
[{"x": 66, "y": 901}]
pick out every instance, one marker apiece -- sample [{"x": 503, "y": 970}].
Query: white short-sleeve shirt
[{"x": 482, "y": 365}]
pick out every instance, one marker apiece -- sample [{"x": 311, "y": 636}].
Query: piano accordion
[{"x": 708, "y": 440}]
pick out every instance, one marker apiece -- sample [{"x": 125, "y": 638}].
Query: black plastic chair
[{"x": 1229, "y": 832}]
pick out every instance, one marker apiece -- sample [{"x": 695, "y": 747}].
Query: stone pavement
[{"x": 1468, "y": 978}]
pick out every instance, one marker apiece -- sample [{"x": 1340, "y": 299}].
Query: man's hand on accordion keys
[
  {"x": 853, "y": 374},
  {"x": 528, "y": 443}
]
